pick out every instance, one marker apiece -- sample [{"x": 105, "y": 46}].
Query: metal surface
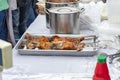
[
  {"x": 85, "y": 1},
  {"x": 49, "y": 5},
  {"x": 117, "y": 41},
  {"x": 61, "y": 1},
  {"x": 113, "y": 56},
  {"x": 64, "y": 20},
  {"x": 117, "y": 46},
  {"x": 89, "y": 50}
]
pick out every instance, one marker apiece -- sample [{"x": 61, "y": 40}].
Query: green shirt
[{"x": 3, "y": 5}]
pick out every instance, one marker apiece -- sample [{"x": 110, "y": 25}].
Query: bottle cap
[{"x": 102, "y": 58}]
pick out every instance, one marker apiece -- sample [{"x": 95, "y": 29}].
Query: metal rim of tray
[{"x": 55, "y": 52}]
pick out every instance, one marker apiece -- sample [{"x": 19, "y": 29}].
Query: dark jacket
[
  {"x": 34, "y": 4},
  {"x": 21, "y": 3}
]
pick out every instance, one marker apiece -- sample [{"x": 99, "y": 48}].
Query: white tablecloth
[{"x": 51, "y": 67}]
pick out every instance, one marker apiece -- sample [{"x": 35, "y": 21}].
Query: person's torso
[
  {"x": 21, "y": 3},
  {"x": 3, "y": 5}
]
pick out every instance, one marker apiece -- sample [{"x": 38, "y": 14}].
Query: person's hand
[{"x": 41, "y": 9}]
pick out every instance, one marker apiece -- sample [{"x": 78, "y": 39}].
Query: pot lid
[{"x": 63, "y": 10}]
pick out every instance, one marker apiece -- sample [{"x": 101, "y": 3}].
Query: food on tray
[
  {"x": 55, "y": 42},
  {"x": 28, "y": 36},
  {"x": 66, "y": 43},
  {"x": 41, "y": 42}
]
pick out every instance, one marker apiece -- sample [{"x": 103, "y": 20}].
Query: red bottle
[{"x": 101, "y": 70}]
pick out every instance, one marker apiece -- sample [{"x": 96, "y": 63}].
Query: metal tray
[{"x": 89, "y": 50}]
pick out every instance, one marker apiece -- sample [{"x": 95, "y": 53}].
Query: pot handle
[
  {"x": 82, "y": 10},
  {"x": 47, "y": 16},
  {"x": 46, "y": 11}
]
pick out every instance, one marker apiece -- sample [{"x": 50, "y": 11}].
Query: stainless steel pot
[
  {"x": 64, "y": 20},
  {"x": 49, "y": 5}
]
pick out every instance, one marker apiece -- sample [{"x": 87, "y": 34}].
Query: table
[{"x": 51, "y": 67}]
